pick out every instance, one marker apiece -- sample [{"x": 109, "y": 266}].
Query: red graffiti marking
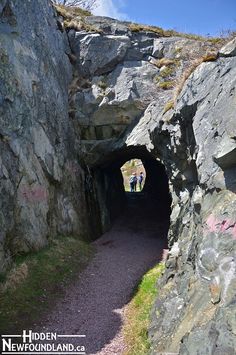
[
  {"x": 34, "y": 193},
  {"x": 215, "y": 225}
]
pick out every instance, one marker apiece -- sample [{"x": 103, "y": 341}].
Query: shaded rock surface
[
  {"x": 42, "y": 181},
  {"x": 67, "y": 127}
]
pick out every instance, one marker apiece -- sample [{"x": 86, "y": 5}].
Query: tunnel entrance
[
  {"x": 134, "y": 175},
  {"x": 154, "y": 201}
]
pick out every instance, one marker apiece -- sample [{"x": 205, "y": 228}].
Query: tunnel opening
[
  {"x": 152, "y": 204},
  {"x": 134, "y": 175}
]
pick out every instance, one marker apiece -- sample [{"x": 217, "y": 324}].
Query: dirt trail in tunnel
[{"x": 94, "y": 305}]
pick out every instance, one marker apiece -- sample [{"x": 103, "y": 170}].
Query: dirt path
[{"x": 95, "y": 304}]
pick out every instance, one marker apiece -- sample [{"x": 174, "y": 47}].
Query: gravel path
[{"x": 94, "y": 305}]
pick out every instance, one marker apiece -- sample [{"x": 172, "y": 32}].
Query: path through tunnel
[{"x": 132, "y": 244}]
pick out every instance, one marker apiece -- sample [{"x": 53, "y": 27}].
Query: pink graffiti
[
  {"x": 215, "y": 225},
  {"x": 165, "y": 253},
  {"x": 34, "y": 193}
]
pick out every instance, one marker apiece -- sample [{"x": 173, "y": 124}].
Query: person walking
[
  {"x": 133, "y": 182},
  {"x": 140, "y": 180}
]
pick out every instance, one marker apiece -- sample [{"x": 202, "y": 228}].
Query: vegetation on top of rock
[
  {"x": 166, "y": 85},
  {"x": 136, "y": 27},
  {"x": 85, "y": 4},
  {"x": 71, "y": 12},
  {"x": 169, "y": 106},
  {"x": 73, "y": 18}
]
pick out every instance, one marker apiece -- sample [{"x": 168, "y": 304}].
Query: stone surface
[
  {"x": 67, "y": 128},
  {"x": 229, "y": 50},
  {"x": 99, "y": 54},
  {"x": 38, "y": 166},
  {"x": 204, "y": 276}
]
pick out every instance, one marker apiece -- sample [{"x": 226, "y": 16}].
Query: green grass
[
  {"x": 36, "y": 280},
  {"x": 138, "y": 313},
  {"x": 166, "y": 85},
  {"x": 169, "y": 106}
]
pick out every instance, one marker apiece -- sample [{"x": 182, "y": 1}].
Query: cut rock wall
[
  {"x": 42, "y": 179},
  {"x": 67, "y": 127}
]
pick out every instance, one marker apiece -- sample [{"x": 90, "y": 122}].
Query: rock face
[
  {"x": 67, "y": 127},
  {"x": 42, "y": 182},
  {"x": 195, "y": 312}
]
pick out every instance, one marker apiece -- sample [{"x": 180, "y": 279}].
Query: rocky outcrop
[
  {"x": 194, "y": 312},
  {"x": 42, "y": 181},
  {"x": 77, "y": 104}
]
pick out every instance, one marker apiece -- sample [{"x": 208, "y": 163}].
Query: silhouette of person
[
  {"x": 140, "y": 180},
  {"x": 133, "y": 182}
]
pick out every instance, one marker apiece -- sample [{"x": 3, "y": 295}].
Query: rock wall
[
  {"x": 68, "y": 125},
  {"x": 43, "y": 182},
  {"x": 195, "y": 311}
]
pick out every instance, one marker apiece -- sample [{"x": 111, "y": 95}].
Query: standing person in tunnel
[
  {"x": 140, "y": 180},
  {"x": 133, "y": 182}
]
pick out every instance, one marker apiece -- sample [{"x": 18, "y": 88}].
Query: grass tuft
[
  {"x": 73, "y": 17},
  {"x": 138, "y": 313},
  {"x": 166, "y": 85},
  {"x": 102, "y": 85},
  {"x": 169, "y": 106},
  {"x": 36, "y": 280},
  {"x": 136, "y": 27},
  {"x": 70, "y": 12}
]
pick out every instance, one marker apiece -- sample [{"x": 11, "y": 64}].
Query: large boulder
[
  {"x": 98, "y": 54},
  {"x": 229, "y": 50}
]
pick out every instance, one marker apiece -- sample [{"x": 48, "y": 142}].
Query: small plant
[
  {"x": 102, "y": 85},
  {"x": 169, "y": 106},
  {"x": 178, "y": 50},
  {"x": 166, "y": 85},
  {"x": 167, "y": 71}
]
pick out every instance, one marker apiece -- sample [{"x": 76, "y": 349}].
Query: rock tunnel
[
  {"x": 64, "y": 139},
  {"x": 111, "y": 196}
]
